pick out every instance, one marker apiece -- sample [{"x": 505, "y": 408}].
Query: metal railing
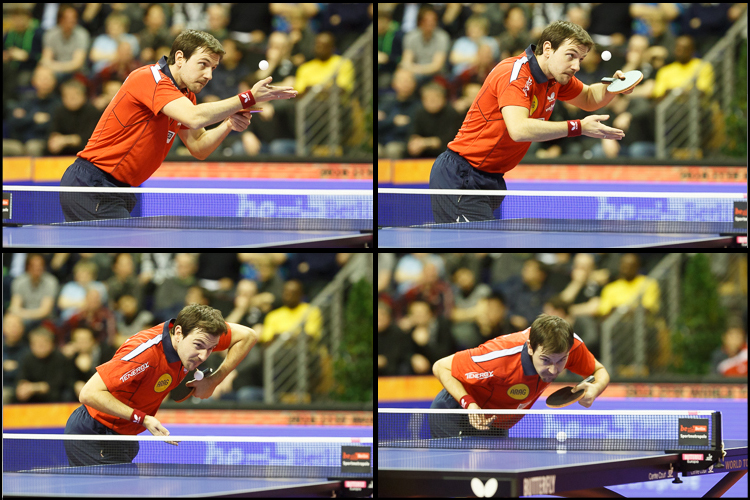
[
  {"x": 691, "y": 120},
  {"x": 636, "y": 338},
  {"x": 331, "y": 120},
  {"x": 297, "y": 365}
]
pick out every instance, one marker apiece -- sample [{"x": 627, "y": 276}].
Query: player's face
[
  {"x": 199, "y": 70},
  {"x": 548, "y": 365},
  {"x": 566, "y": 62},
  {"x": 193, "y": 349}
]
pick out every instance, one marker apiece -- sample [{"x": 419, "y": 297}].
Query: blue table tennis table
[
  {"x": 190, "y": 232},
  {"x": 591, "y": 220},
  {"x": 282, "y": 466},
  {"x": 445, "y": 472},
  {"x": 109, "y": 237},
  {"x": 476, "y": 238},
  {"x": 213, "y": 219},
  {"x": 114, "y": 485}
]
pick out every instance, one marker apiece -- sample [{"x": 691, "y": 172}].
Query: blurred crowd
[
  {"x": 63, "y": 63},
  {"x": 433, "y": 305},
  {"x": 434, "y": 58},
  {"x": 65, "y": 314}
]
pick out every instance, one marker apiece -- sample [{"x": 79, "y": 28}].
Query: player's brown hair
[
  {"x": 555, "y": 334},
  {"x": 203, "y": 318},
  {"x": 190, "y": 41},
  {"x": 559, "y": 31}
]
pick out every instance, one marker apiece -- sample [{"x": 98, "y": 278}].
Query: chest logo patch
[
  {"x": 163, "y": 383},
  {"x": 519, "y": 391}
]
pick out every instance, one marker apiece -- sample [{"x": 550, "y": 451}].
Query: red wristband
[
  {"x": 247, "y": 99},
  {"x": 466, "y": 401},
  {"x": 137, "y": 417},
  {"x": 574, "y": 128}
]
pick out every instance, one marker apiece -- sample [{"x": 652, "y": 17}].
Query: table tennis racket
[
  {"x": 565, "y": 396},
  {"x": 618, "y": 86},
  {"x": 183, "y": 392}
]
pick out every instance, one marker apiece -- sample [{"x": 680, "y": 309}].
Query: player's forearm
[
  {"x": 105, "y": 402},
  {"x": 237, "y": 351},
  {"x": 539, "y": 131},
  {"x": 451, "y": 383},
  {"x": 211, "y": 139},
  {"x": 602, "y": 380},
  {"x": 598, "y": 97},
  {"x": 213, "y": 112}
]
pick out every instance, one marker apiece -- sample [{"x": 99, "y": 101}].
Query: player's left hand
[
  {"x": 203, "y": 388},
  {"x": 264, "y": 92}
]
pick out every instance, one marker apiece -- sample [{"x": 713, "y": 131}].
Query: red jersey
[
  {"x": 133, "y": 136},
  {"x": 483, "y": 139},
  {"x": 142, "y": 372},
  {"x": 500, "y": 374}
]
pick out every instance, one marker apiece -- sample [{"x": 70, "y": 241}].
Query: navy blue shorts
[
  {"x": 93, "y": 206},
  {"x": 452, "y": 171}
]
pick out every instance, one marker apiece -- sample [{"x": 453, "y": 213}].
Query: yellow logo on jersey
[
  {"x": 519, "y": 391},
  {"x": 163, "y": 383}
]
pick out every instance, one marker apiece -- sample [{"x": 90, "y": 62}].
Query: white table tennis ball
[
  {"x": 198, "y": 375},
  {"x": 606, "y": 55},
  {"x": 263, "y": 65}
]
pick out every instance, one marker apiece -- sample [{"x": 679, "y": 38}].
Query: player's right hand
[
  {"x": 239, "y": 121},
  {"x": 592, "y": 127}
]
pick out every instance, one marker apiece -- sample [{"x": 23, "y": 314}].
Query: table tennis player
[
  {"x": 512, "y": 110},
  {"x": 125, "y": 393},
  {"x": 510, "y": 372},
  {"x": 138, "y": 127}
]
